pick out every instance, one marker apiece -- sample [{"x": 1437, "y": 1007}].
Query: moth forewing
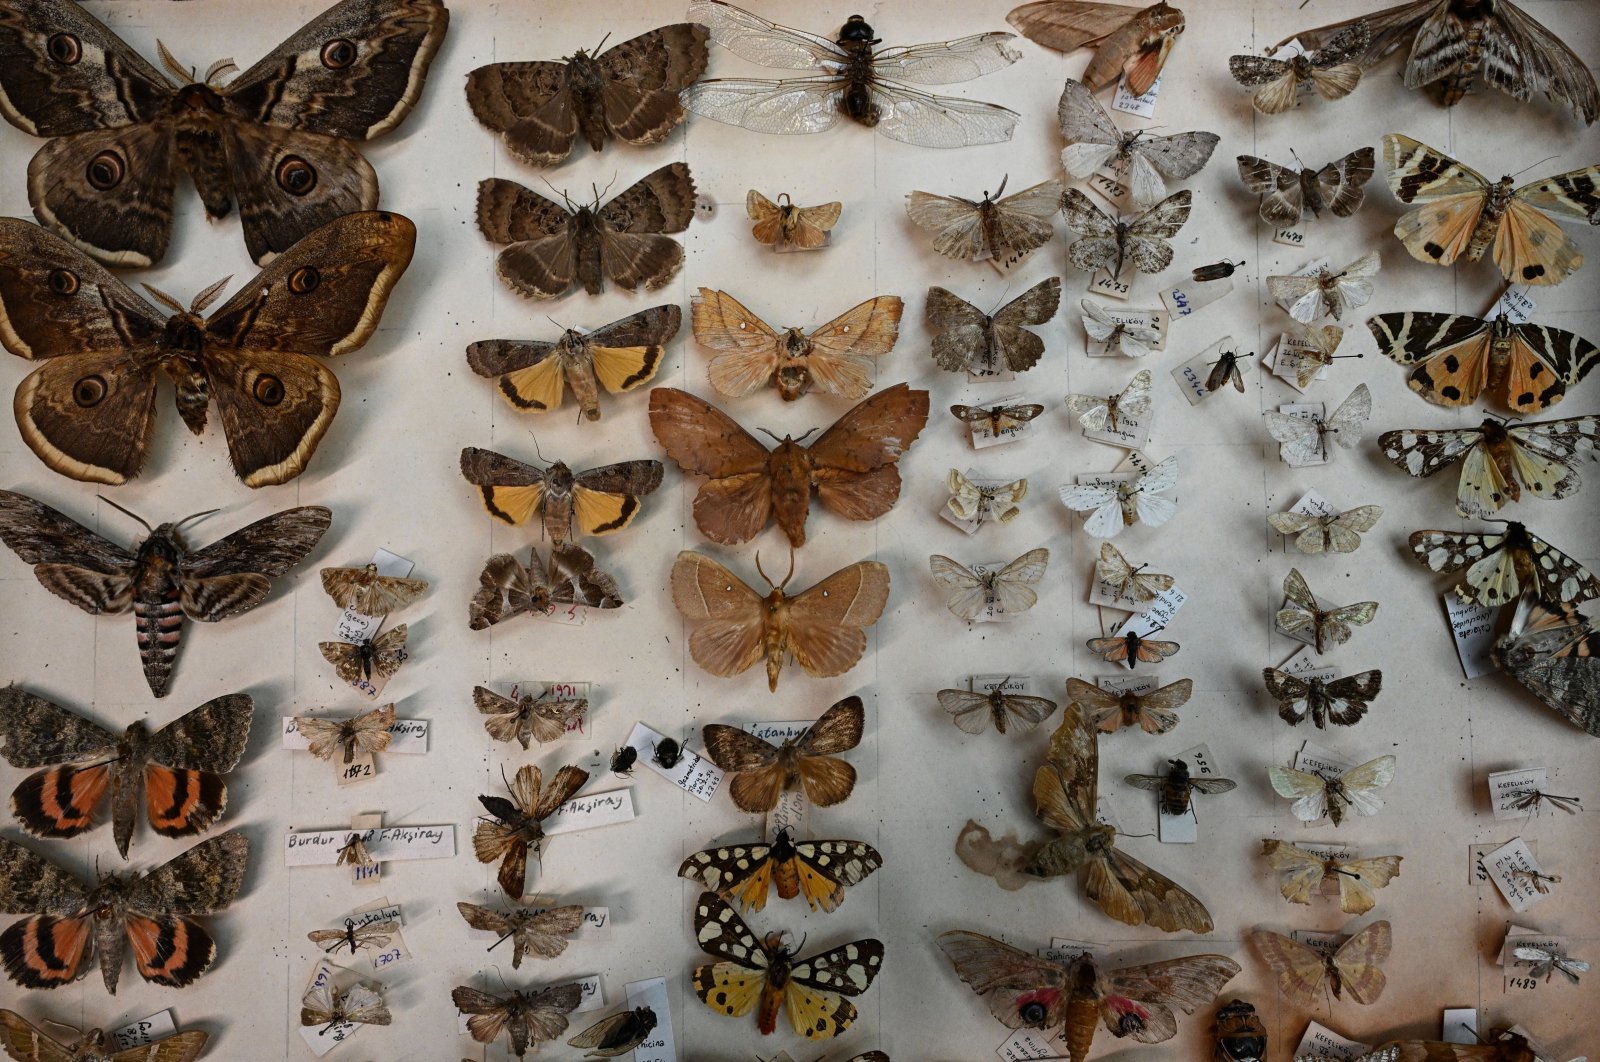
[
  {"x": 1130, "y": 42},
  {"x": 365, "y": 591},
  {"x": 968, "y": 340}
]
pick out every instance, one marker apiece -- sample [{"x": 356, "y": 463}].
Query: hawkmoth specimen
[
  {"x": 1317, "y": 797},
  {"x": 1094, "y": 142},
  {"x": 355, "y": 936},
  {"x": 603, "y": 500},
  {"x": 1177, "y": 786},
  {"x": 529, "y": 717},
  {"x": 1286, "y": 194},
  {"x": 617, "y": 1034},
  {"x": 782, "y": 224},
  {"x": 1303, "y": 972},
  {"x": 1342, "y": 702},
  {"x": 514, "y": 826},
  {"x": 24, "y": 1041},
  {"x": 382, "y": 654},
  {"x": 1007, "y": 590},
  {"x": 323, "y": 1004},
  {"x": 1498, "y": 458},
  {"x": 363, "y": 590},
  {"x": 968, "y": 340},
  {"x": 508, "y": 588},
  {"x": 1304, "y": 440},
  {"x": 541, "y": 934},
  {"x": 1555, "y": 654},
  {"x": 817, "y": 870},
  {"x": 1130, "y": 42},
  {"x": 809, "y": 761},
  {"x": 1335, "y": 532},
  {"x": 1302, "y": 873},
  {"x": 1328, "y": 626},
  {"x": 366, "y": 733},
  {"x": 1324, "y": 292},
  {"x": 1503, "y": 565},
  {"x": 1502, "y": 1046},
  {"x": 1106, "y": 242},
  {"x": 528, "y": 1018},
  {"x": 975, "y": 712},
  {"x": 996, "y": 229},
  {"x": 1330, "y": 70},
  {"x": 1113, "y": 505},
  {"x": 1154, "y": 712}
]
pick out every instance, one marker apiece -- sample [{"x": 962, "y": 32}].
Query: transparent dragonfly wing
[
  {"x": 947, "y": 62},
  {"x": 797, "y": 105},
  {"x": 765, "y": 43}
]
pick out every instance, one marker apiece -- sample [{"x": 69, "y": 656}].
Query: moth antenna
[
  {"x": 502, "y": 977},
  {"x": 1530, "y": 166},
  {"x": 217, "y": 69},
  {"x": 763, "y": 574},
  {"x": 555, "y": 322},
  {"x": 558, "y": 191},
  {"x": 606, "y": 190},
  {"x": 187, "y": 76},
  {"x": 503, "y": 779},
  {"x": 1297, "y": 158},
  {"x": 786, "y": 579},
  {"x": 784, "y": 200},
  {"x": 1121, "y": 834},
  {"x": 187, "y": 519},
  {"x": 998, "y": 192},
  {"x": 807, "y": 435},
  {"x": 771, "y": 435},
  {"x": 126, "y": 512},
  {"x": 166, "y": 300},
  {"x": 602, "y": 43},
  {"x": 206, "y": 297}
]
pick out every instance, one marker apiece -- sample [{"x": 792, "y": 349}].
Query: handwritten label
[
  {"x": 1156, "y": 320},
  {"x": 590, "y": 811},
  {"x": 1472, "y": 627},
  {"x": 407, "y": 737},
  {"x": 778, "y": 731},
  {"x": 1186, "y": 299},
  {"x": 1158, "y": 613},
  {"x": 993, "y": 611},
  {"x": 1065, "y": 949},
  {"x": 1514, "y": 305},
  {"x": 1192, "y": 375},
  {"x": 1289, "y": 237},
  {"x": 1477, "y": 872},
  {"x": 145, "y": 1031},
  {"x": 556, "y": 690},
  {"x": 1136, "y": 683},
  {"x": 320, "y": 848},
  {"x": 1521, "y": 936},
  {"x": 1303, "y": 664},
  {"x": 788, "y": 814},
  {"x": 1506, "y": 786},
  {"x": 357, "y": 627},
  {"x": 981, "y": 433},
  {"x": 1108, "y": 185},
  {"x": 661, "y": 1045},
  {"x": 1518, "y": 890},
  {"x": 1018, "y": 685},
  {"x": 1318, "y": 941},
  {"x": 693, "y": 773},
  {"x": 1103, "y": 283},
  {"x": 1027, "y": 1044},
  {"x": 1126, "y": 102},
  {"x": 1319, "y": 1040},
  {"x": 1314, "y": 759}
]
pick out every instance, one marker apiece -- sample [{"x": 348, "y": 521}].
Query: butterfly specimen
[
  {"x": 851, "y": 78},
  {"x": 323, "y": 1004},
  {"x": 999, "y": 420},
  {"x": 528, "y": 717},
  {"x": 1123, "y": 580},
  {"x": 541, "y": 934},
  {"x": 1120, "y": 337},
  {"x": 1463, "y": 213},
  {"x": 515, "y": 825},
  {"x": 363, "y": 590},
  {"x": 366, "y": 733},
  {"x": 1499, "y": 458},
  {"x": 1309, "y": 349},
  {"x": 1225, "y": 370},
  {"x": 88, "y": 410},
  {"x": 1458, "y": 358},
  {"x": 628, "y": 92},
  {"x": 1316, "y": 797},
  {"x": 979, "y": 504},
  {"x": 383, "y": 653},
  {"x": 1115, "y": 504},
  {"x": 508, "y": 588},
  {"x": 965, "y": 339},
  {"x": 974, "y": 712},
  {"x": 23, "y": 1041},
  {"x": 1129, "y": 42},
  {"x": 1004, "y": 591},
  {"x": 1104, "y": 412},
  {"x": 764, "y": 971},
  {"x": 1302, "y": 873},
  {"x": 1324, "y": 293},
  {"x": 1177, "y": 786},
  {"x": 1094, "y": 142},
  {"x": 1004, "y": 230},
  {"x": 851, "y": 465},
  {"x": 552, "y": 247},
  {"x": 1543, "y": 964},
  {"x": 1332, "y": 70},
  {"x": 1286, "y": 194},
  {"x": 1107, "y": 242},
  {"x": 836, "y": 358},
  {"x": 527, "y": 1018},
  {"x": 160, "y": 579},
  {"x": 1555, "y": 654},
  {"x": 1501, "y": 565},
  {"x": 176, "y": 772},
  {"x": 1064, "y": 790},
  {"x": 617, "y": 1034},
  {"x": 1304, "y": 439},
  {"x": 533, "y": 374},
  {"x": 603, "y": 500},
  {"x": 1154, "y": 712},
  {"x": 1454, "y": 44},
  {"x": 1303, "y": 972},
  {"x": 148, "y": 910},
  {"x": 817, "y": 870},
  {"x": 1336, "y": 532},
  {"x": 1241, "y": 1035},
  {"x": 277, "y": 139},
  {"x": 355, "y": 936},
  {"x": 1340, "y": 701},
  {"x": 1131, "y": 648},
  {"x": 1327, "y": 627},
  {"x": 782, "y": 224},
  {"x": 809, "y": 761}
]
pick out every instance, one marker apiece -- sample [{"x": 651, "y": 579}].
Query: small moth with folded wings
[
  {"x": 355, "y": 936},
  {"x": 1340, "y": 701},
  {"x": 323, "y": 1004},
  {"x": 817, "y": 870},
  {"x": 974, "y": 712},
  {"x": 809, "y": 761},
  {"x": 381, "y": 653},
  {"x": 1331, "y": 70},
  {"x": 1131, "y": 43},
  {"x": 980, "y": 503},
  {"x": 363, "y": 590},
  {"x": 516, "y": 825}
]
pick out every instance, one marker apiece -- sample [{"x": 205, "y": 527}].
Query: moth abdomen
[{"x": 158, "y": 624}]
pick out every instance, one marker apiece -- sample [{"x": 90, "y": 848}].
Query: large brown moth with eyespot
[
  {"x": 160, "y": 579},
  {"x": 602, "y": 500},
  {"x": 88, "y": 410},
  {"x": 278, "y": 140}
]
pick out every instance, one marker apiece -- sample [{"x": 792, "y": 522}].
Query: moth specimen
[
  {"x": 823, "y": 627},
  {"x": 1241, "y": 1034},
  {"x": 1130, "y": 649},
  {"x": 999, "y": 420},
  {"x": 1335, "y": 532},
  {"x": 355, "y": 936},
  {"x": 1302, "y": 873},
  {"x": 1543, "y": 964},
  {"x": 160, "y": 578},
  {"x": 764, "y": 973},
  {"x": 1331, "y": 70},
  {"x": 1064, "y": 790},
  {"x": 1304, "y": 439},
  {"x": 1116, "y": 336},
  {"x": 354, "y": 854},
  {"x": 1303, "y": 972},
  {"x": 1555, "y": 654},
  {"x": 175, "y": 773},
  {"x": 1499, "y": 458},
  {"x": 1309, "y": 349},
  {"x": 603, "y": 500},
  {"x": 1453, "y": 45},
  {"x": 150, "y": 909},
  {"x": 782, "y": 224},
  {"x": 88, "y": 411},
  {"x": 623, "y": 757},
  {"x": 1123, "y": 580},
  {"x": 551, "y": 247},
  {"x": 1228, "y": 368},
  {"x": 1129, "y": 42},
  {"x": 851, "y": 465},
  {"x": 1106, "y": 242},
  {"x": 530, "y": 717},
  {"x": 1324, "y": 293},
  {"x": 1533, "y": 800},
  {"x": 366, "y": 733},
  {"x": 363, "y": 590},
  {"x": 1463, "y": 213},
  {"x": 1094, "y": 143},
  {"x": 533, "y": 374},
  {"x": 380, "y": 654},
  {"x": 1286, "y": 194},
  {"x": 1457, "y": 358},
  {"x": 817, "y": 870},
  {"x": 1316, "y": 797},
  {"x": 851, "y": 78},
  {"x": 528, "y": 1018},
  {"x": 617, "y": 1034},
  {"x": 1177, "y": 786},
  {"x": 26, "y": 1043},
  {"x": 974, "y": 712},
  {"x": 1503, "y": 1046},
  {"x": 515, "y": 825},
  {"x": 980, "y": 504},
  {"x": 1105, "y": 412},
  {"x": 1339, "y": 701},
  {"x": 509, "y": 588},
  {"x": 965, "y": 339},
  {"x": 277, "y": 140},
  {"x": 323, "y": 1004},
  {"x": 1502, "y": 565},
  {"x": 836, "y": 358},
  {"x": 1328, "y": 627},
  {"x": 1115, "y": 504},
  {"x": 628, "y": 92},
  {"x": 1215, "y": 271},
  {"x": 1005, "y": 591},
  {"x": 1154, "y": 712},
  {"x": 809, "y": 761},
  {"x": 541, "y": 934},
  {"x": 1534, "y": 880},
  {"x": 1003, "y": 230}
]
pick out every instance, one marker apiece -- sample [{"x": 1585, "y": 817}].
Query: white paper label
[
  {"x": 1521, "y": 936},
  {"x": 1187, "y": 299},
  {"x": 407, "y": 737},
  {"x": 1131, "y": 432},
  {"x": 1027, "y": 1044},
  {"x": 788, "y": 815},
  {"x": 144, "y": 1031},
  {"x": 660, "y": 1045},
  {"x": 557, "y": 690},
  {"x": 1460, "y": 1026},
  {"x": 1137, "y": 684},
  {"x": 320, "y": 848},
  {"x": 693, "y": 773},
  {"x": 590, "y": 811},
  {"x": 1516, "y": 971},
  {"x": 1518, "y": 890},
  {"x": 1109, "y": 185},
  {"x": 1506, "y": 786},
  {"x": 1191, "y": 376},
  {"x": 595, "y": 924},
  {"x": 1288, "y": 236},
  {"x": 1472, "y": 627},
  {"x": 1323, "y": 1041},
  {"x": 1125, "y": 101},
  {"x": 1315, "y": 759},
  {"x": 1102, "y": 283},
  {"x": 778, "y": 731},
  {"x": 1158, "y": 613},
  {"x": 1477, "y": 872},
  {"x": 1514, "y": 305}
]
